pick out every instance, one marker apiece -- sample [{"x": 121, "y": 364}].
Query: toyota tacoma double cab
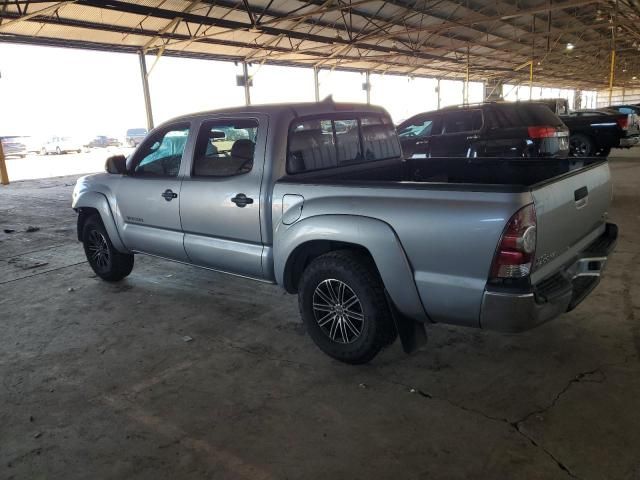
[{"x": 317, "y": 198}]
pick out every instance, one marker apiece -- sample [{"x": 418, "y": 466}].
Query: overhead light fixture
[
  {"x": 570, "y": 46},
  {"x": 634, "y": 78}
]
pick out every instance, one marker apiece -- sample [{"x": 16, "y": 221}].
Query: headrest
[{"x": 243, "y": 148}]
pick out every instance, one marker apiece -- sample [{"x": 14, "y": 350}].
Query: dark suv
[{"x": 485, "y": 130}]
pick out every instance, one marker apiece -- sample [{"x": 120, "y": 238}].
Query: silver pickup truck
[{"x": 318, "y": 199}]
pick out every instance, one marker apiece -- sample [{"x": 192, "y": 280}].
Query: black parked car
[
  {"x": 102, "y": 141},
  {"x": 494, "y": 129}
]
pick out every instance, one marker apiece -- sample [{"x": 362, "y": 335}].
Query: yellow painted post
[
  {"x": 4, "y": 176},
  {"x": 611, "y": 74}
]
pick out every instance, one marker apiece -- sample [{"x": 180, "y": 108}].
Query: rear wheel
[
  {"x": 581, "y": 146},
  {"x": 105, "y": 260},
  {"x": 344, "y": 308}
]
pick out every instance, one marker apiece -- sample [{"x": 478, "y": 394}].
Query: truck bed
[
  {"x": 449, "y": 215},
  {"x": 477, "y": 174}
]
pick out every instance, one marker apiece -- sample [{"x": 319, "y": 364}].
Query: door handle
[
  {"x": 168, "y": 195},
  {"x": 581, "y": 197},
  {"x": 422, "y": 142},
  {"x": 241, "y": 200}
]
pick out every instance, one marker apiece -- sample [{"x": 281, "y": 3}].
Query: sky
[{"x": 47, "y": 91}]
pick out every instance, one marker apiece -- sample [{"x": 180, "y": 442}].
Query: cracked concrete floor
[{"x": 97, "y": 382}]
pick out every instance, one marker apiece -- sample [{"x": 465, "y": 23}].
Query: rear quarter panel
[{"x": 449, "y": 236}]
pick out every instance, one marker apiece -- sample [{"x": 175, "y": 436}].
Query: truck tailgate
[{"x": 571, "y": 212}]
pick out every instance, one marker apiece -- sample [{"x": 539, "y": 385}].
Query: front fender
[
  {"x": 99, "y": 202},
  {"x": 374, "y": 235}
]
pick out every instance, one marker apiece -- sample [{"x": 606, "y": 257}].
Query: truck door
[
  {"x": 148, "y": 197},
  {"x": 460, "y": 134},
  {"x": 220, "y": 206}
]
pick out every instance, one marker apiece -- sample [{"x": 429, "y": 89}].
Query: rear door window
[
  {"x": 225, "y": 148},
  {"x": 462, "y": 121}
]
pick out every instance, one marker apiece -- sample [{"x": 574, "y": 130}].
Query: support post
[
  {"x": 466, "y": 81},
  {"x": 438, "y": 89},
  {"x": 247, "y": 88},
  {"x": 613, "y": 50},
  {"x": 316, "y": 83},
  {"x": 145, "y": 89},
  {"x": 612, "y": 74},
  {"x": 367, "y": 80},
  {"x": 531, "y": 80},
  {"x": 4, "y": 176}
]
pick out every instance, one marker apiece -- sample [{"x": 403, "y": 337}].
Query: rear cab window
[{"x": 332, "y": 141}]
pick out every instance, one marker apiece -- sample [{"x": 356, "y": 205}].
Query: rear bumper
[
  {"x": 628, "y": 142},
  {"x": 561, "y": 292}
]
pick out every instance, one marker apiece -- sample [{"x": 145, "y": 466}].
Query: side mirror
[{"x": 116, "y": 164}]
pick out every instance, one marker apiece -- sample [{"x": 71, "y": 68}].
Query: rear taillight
[
  {"x": 542, "y": 132},
  {"x": 517, "y": 247},
  {"x": 623, "y": 122}
]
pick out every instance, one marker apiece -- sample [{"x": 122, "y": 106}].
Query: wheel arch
[
  {"x": 91, "y": 203},
  {"x": 297, "y": 245}
]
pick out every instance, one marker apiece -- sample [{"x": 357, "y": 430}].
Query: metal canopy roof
[{"x": 422, "y": 37}]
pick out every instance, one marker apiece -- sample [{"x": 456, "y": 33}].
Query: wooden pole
[{"x": 4, "y": 176}]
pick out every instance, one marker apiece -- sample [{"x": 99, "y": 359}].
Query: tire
[
  {"x": 353, "y": 334},
  {"x": 43, "y": 151},
  {"x": 58, "y": 151},
  {"x": 581, "y": 146},
  {"x": 105, "y": 260}
]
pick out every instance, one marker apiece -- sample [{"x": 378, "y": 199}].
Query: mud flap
[{"x": 413, "y": 334}]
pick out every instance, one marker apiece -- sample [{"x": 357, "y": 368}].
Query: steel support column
[
  {"x": 247, "y": 88},
  {"x": 367, "y": 76},
  {"x": 465, "y": 97},
  {"x": 438, "y": 89},
  {"x": 145, "y": 89},
  {"x": 316, "y": 83},
  {"x": 4, "y": 176}
]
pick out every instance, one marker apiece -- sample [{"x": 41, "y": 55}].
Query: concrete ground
[{"x": 99, "y": 382}]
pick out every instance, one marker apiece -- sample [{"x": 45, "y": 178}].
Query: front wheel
[
  {"x": 344, "y": 308},
  {"x": 105, "y": 260},
  {"x": 58, "y": 151}
]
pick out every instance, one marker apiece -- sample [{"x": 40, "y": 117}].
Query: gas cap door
[{"x": 291, "y": 208}]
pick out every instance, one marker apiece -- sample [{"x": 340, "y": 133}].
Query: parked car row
[
  {"x": 541, "y": 128},
  {"x": 13, "y": 147},
  {"x": 57, "y": 145}
]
